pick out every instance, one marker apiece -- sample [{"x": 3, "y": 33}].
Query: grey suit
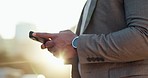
[{"x": 114, "y": 43}]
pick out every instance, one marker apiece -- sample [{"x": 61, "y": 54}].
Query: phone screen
[{"x": 39, "y": 39}]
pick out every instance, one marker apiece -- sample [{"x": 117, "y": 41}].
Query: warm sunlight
[
  {"x": 59, "y": 61},
  {"x": 18, "y": 17},
  {"x": 40, "y": 76}
]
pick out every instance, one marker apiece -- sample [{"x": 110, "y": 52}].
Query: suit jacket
[{"x": 114, "y": 43}]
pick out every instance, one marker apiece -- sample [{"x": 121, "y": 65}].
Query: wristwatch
[{"x": 75, "y": 42}]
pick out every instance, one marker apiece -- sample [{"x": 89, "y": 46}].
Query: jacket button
[
  {"x": 93, "y": 59},
  {"x": 99, "y": 59},
  {"x": 89, "y": 59}
]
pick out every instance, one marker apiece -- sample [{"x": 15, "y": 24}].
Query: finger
[
  {"x": 54, "y": 51},
  {"x": 49, "y": 44},
  {"x": 44, "y": 35},
  {"x": 66, "y": 31},
  {"x": 55, "y": 55},
  {"x": 51, "y": 49},
  {"x": 43, "y": 46}
]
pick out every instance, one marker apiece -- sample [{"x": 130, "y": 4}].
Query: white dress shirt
[{"x": 84, "y": 17}]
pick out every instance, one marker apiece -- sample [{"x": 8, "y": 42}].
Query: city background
[{"x": 21, "y": 57}]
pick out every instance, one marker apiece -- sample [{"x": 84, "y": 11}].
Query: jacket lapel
[{"x": 90, "y": 12}]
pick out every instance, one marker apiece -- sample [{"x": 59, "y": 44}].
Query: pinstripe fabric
[{"x": 114, "y": 43}]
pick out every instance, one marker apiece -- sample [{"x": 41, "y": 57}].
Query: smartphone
[{"x": 39, "y": 39}]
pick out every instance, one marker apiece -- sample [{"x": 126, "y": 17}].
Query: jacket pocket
[{"x": 129, "y": 71}]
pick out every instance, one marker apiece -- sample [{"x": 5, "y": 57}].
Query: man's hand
[{"x": 59, "y": 44}]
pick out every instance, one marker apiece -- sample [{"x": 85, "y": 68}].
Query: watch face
[{"x": 75, "y": 42}]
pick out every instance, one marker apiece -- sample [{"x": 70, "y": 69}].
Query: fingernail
[
  {"x": 34, "y": 34},
  {"x": 43, "y": 47}
]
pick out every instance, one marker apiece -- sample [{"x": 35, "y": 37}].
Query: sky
[{"x": 46, "y": 15}]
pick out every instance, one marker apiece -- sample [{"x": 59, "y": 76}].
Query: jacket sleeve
[{"x": 129, "y": 44}]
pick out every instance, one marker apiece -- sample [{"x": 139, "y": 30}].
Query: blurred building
[
  {"x": 11, "y": 53},
  {"x": 22, "y": 30},
  {"x": 24, "y": 57}
]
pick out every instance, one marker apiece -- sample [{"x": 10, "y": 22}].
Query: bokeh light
[{"x": 40, "y": 76}]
